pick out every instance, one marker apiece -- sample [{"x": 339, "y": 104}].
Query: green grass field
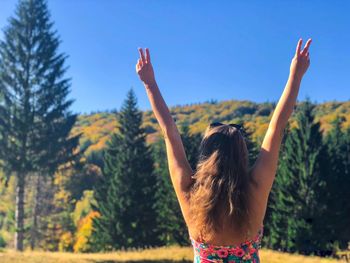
[{"x": 158, "y": 255}]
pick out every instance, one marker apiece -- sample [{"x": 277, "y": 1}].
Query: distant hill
[{"x": 97, "y": 127}]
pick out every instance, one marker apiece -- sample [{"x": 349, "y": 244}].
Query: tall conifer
[
  {"x": 294, "y": 204},
  {"x": 334, "y": 230},
  {"x": 171, "y": 226},
  {"x": 126, "y": 198},
  {"x": 35, "y": 121}
]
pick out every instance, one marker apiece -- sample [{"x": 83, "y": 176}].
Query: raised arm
[
  {"x": 285, "y": 106},
  {"x": 179, "y": 167},
  {"x": 265, "y": 167}
]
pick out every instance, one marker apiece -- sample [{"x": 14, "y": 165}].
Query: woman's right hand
[{"x": 301, "y": 60}]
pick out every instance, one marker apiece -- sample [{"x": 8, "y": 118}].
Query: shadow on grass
[{"x": 142, "y": 261}]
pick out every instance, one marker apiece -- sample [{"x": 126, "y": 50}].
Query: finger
[
  {"x": 297, "y": 51},
  {"x": 148, "y": 56},
  {"x": 138, "y": 64},
  {"x": 139, "y": 61},
  {"x": 306, "y": 48},
  {"x": 142, "y": 56},
  {"x": 139, "y": 49}
]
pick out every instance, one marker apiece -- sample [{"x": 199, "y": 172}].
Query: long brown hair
[{"x": 221, "y": 180}]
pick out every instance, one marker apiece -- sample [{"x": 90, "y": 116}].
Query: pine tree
[
  {"x": 191, "y": 144},
  {"x": 171, "y": 226},
  {"x": 294, "y": 204},
  {"x": 126, "y": 198},
  {"x": 35, "y": 121},
  {"x": 272, "y": 231},
  {"x": 107, "y": 193},
  {"x": 252, "y": 147},
  {"x": 334, "y": 229},
  {"x": 167, "y": 207}
]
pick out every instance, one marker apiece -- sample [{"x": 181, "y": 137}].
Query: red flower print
[
  {"x": 232, "y": 251},
  {"x": 211, "y": 250},
  {"x": 222, "y": 253},
  {"x": 239, "y": 252},
  {"x": 252, "y": 250},
  {"x": 205, "y": 253}
]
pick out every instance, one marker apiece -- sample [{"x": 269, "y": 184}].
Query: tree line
[{"x": 122, "y": 197}]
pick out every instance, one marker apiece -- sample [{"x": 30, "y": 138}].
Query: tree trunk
[
  {"x": 19, "y": 235},
  {"x": 34, "y": 230}
]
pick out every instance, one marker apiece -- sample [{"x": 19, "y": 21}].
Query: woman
[{"x": 224, "y": 201}]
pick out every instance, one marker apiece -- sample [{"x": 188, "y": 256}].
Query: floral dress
[{"x": 247, "y": 251}]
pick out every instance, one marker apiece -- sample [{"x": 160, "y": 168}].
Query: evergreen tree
[
  {"x": 294, "y": 204},
  {"x": 171, "y": 226},
  {"x": 35, "y": 121},
  {"x": 191, "y": 144},
  {"x": 271, "y": 231},
  {"x": 105, "y": 230},
  {"x": 167, "y": 207},
  {"x": 334, "y": 230},
  {"x": 253, "y": 150},
  {"x": 126, "y": 198}
]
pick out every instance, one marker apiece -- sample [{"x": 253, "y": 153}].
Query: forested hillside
[{"x": 97, "y": 127}]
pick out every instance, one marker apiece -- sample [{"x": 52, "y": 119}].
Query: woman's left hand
[{"x": 144, "y": 68}]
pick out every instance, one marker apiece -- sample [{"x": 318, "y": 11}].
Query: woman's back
[{"x": 230, "y": 243}]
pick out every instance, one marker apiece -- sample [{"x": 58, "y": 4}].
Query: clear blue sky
[{"x": 201, "y": 50}]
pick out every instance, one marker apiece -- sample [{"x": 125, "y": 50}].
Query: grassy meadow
[{"x": 157, "y": 255}]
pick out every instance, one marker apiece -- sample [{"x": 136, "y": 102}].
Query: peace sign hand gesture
[
  {"x": 301, "y": 60},
  {"x": 144, "y": 68}
]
